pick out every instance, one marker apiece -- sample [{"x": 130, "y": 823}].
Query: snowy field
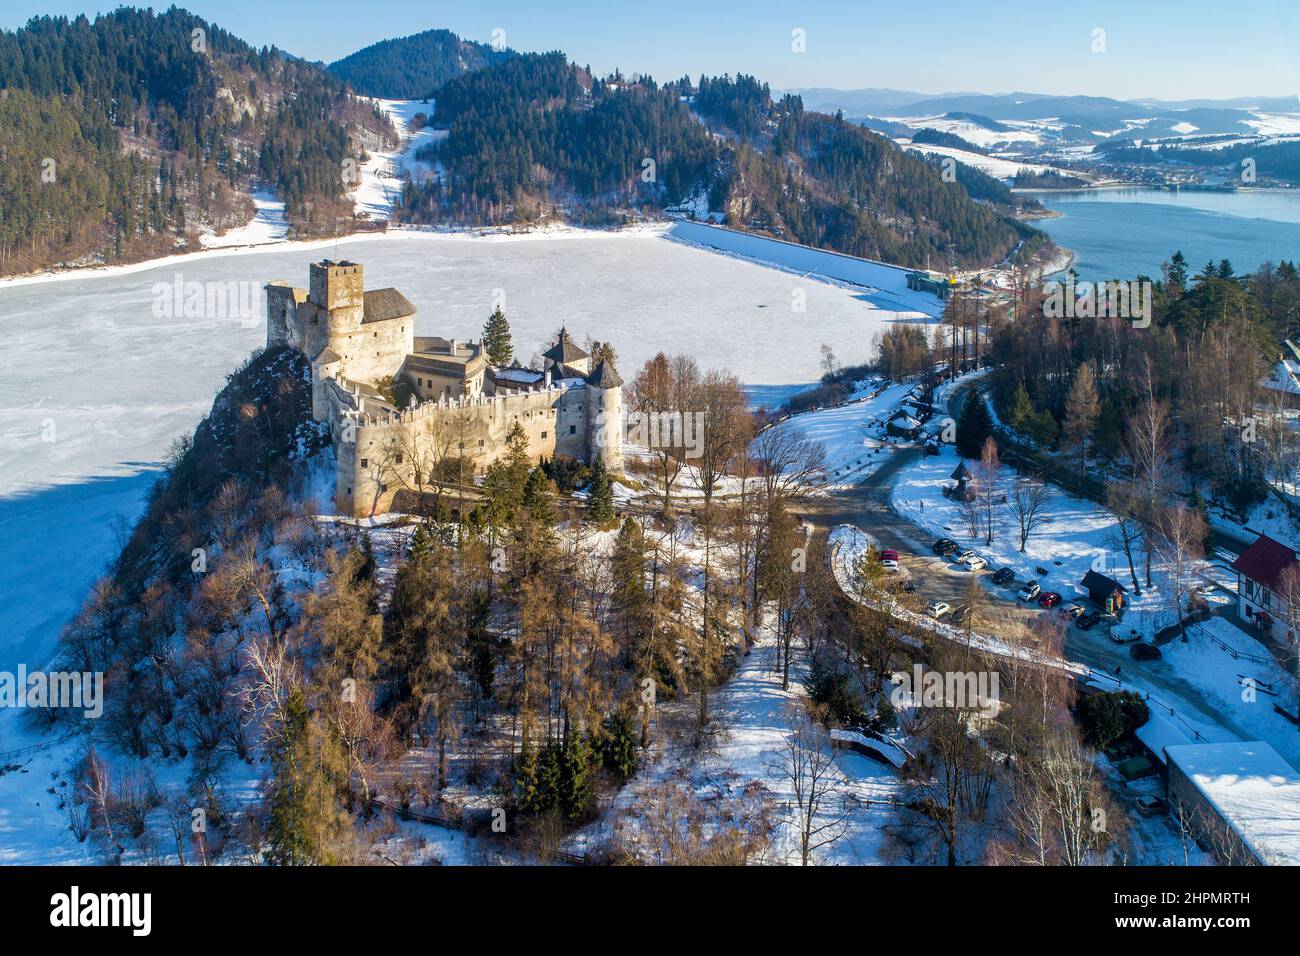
[
  {"x": 382, "y": 175},
  {"x": 853, "y": 434},
  {"x": 267, "y": 225},
  {"x": 994, "y": 166}
]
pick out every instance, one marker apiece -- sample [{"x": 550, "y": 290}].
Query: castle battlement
[{"x": 364, "y": 352}]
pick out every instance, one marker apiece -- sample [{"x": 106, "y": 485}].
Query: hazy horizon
[{"x": 1148, "y": 53}]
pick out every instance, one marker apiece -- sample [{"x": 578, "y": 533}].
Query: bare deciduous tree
[
  {"x": 806, "y": 762},
  {"x": 1028, "y": 503}
]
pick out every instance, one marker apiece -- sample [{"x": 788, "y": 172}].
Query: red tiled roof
[{"x": 1264, "y": 561}]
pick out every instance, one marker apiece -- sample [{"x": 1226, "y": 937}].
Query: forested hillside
[
  {"x": 536, "y": 136},
  {"x": 413, "y": 67},
  {"x": 125, "y": 136},
  {"x": 1212, "y": 341}
]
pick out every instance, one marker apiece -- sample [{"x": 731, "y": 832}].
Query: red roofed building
[{"x": 1259, "y": 570}]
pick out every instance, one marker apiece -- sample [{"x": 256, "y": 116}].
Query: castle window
[
  {"x": 480, "y": 443},
  {"x": 399, "y": 459},
  {"x": 573, "y": 429},
  {"x": 462, "y": 445},
  {"x": 349, "y": 489},
  {"x": 383, "y": 488},
  {"x": 543, "y": 434},
  {"x": 365, "y": 462}
]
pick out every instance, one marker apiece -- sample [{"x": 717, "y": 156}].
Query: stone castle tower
[{"x": 394, "y": 400}]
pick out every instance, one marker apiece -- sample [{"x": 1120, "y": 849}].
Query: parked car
[
  {"x": 1150, "y": 806},
  {"x": 1144, "y": 652},
  {"x": 1003, "y": 576},
  {"x": 889, "y": 559},
  {"x": 1073, "y": 612},
  {"x": 938, "y": 609},
  {"x": 960, "y": 613},
  {"x": 1049, "y": 599},
  {"x": 975, "y": 562},
  {"x": 1029, "y": 591},
  {"x": 1125, "y": 637},
  {"x": 1086, "y": 622},
  {"x": 945, "y": 546}
]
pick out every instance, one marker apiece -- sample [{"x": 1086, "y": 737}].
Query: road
[{"x": 866, "y": 506}]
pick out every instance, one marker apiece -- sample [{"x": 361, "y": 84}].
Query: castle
[{"x": 406, "y": 410}]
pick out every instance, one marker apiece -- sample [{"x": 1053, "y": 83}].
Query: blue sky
[{"x": 1162, "y": 49}]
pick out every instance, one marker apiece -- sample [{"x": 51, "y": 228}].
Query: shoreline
[{"x": 472, "y": 234}]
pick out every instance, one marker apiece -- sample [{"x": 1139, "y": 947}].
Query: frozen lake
[{"x": 94, "y": 387}]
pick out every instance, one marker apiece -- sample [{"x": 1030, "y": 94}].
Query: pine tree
[
  {"x": 365, "y": 572},
  {"x": 600, "y": 501},
  {"x": 496, "y": 338},
  {"x": 575, "y": 780},
  {"x": 1022, "y": 410},
  {"x": 538, "y": 499},
  {"x": 619, "y": 745},
  {"x": 974, "y": 426}
]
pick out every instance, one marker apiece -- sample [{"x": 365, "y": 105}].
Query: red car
[{"x": 1049, "y": 599}]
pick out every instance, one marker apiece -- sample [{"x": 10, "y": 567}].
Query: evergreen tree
[
  {"x": 619, "y": 745},
  {"x": 496, "y": 339},
  {"x": 575, "y": 765},
  {"x": 368, "y": 565},
  {"x": 975, "y": 425},
  {"x": 600, "y": 501},
  {"x": 538, "y": 498}
]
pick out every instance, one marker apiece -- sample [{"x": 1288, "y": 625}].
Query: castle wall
[
  {"x": 374, "y": 350},
  {"x": 385, "y": 456}
]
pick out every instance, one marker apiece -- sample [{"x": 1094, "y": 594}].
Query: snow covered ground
[
  {"x": 853, "y": 434},
  {"x": 995, "y": 166},
  {"x": 382, "y": 174},
  {"x": 975, "y": 133},
  {"x": 1078, "y": 535},
  {"x": 757, "y": 716},
  {"x": 267, "y": 225}
]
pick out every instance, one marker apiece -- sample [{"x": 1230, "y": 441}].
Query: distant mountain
[
  {"x": 412, "y": 67},
  {"x": 872, "y": 102},
  {"x": 1027, "y": 106},
  {"x": 126, "y": 136},
  {"x": 892, "y": 104},
  {"x": 1266, "y": 104}
]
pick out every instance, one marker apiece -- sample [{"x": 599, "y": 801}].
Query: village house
[
  {"x": 1259, "y": 580},
  {"x": 1104, "y": 591}
]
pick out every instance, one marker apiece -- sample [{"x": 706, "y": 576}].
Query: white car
[
  {"x": 975, "y": 562},
  {"x": 1030, "y": 591},
  {"x": 964, "y": 557},
  {"x": 938, "y": 609}
]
